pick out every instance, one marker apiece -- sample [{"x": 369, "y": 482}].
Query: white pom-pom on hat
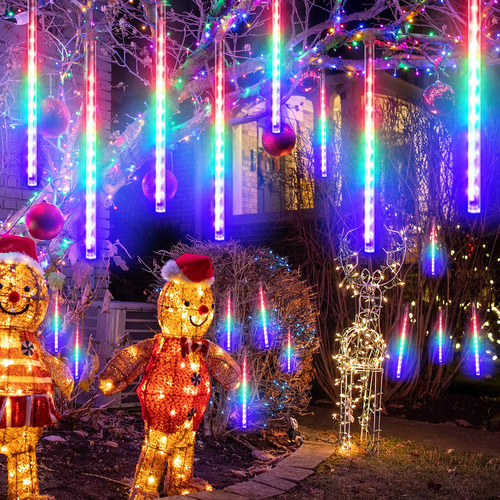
[{"x": 190, "y": 268}]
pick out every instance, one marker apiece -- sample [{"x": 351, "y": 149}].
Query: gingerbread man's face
[
  {"x": 23, "y": 296},
  {"x": 185, "y": 309}
]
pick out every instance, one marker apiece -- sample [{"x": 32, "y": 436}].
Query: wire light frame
[{"x": 362, "y": 348}]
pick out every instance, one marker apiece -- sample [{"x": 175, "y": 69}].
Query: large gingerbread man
[
  {"x": 175, "y": 389},
  {"x": 26, "y": 369}
]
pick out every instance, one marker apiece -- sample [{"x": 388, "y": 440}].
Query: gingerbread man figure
[
  {"x": 26, "y": 369},
  {"x": 175, "y": 388}
]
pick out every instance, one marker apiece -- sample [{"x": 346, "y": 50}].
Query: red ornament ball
[
  {"x": 439, "y": 98},
  {"x": 149, "y": 185},
  {"x": 54, "y": 117},
  {"x": 279, "y": 144},
  {"x": 44, "y": 221}
]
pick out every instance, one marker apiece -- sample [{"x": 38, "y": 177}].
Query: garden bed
[{"x": 97, "y": 462}]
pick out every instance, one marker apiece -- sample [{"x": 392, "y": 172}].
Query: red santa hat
[
  {"x": 19, "y": 249},
  {"x": 190, "y": 268}
]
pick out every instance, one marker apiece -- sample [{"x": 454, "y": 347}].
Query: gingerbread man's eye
[
  {"x": 1, "y": 285},
  {"x": 27, "y": 288},
  {"x": 186, "y": 303},
  {"x": 213, "y": 306}
]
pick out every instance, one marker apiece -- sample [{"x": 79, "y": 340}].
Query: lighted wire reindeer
[{"x": 362, "y": 347}]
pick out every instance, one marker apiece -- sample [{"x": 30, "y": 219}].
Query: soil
[
  {"x": 97, "y": 462},
  {"x": 464, "y": 409}
]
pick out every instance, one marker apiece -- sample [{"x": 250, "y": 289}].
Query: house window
[{"x": 262, "y": 183}]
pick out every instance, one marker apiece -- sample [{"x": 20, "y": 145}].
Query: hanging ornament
[
  {"x": 54, "y": 117},
  {"x": 44, "y": 221},
  {"x": 308, "y": 81},
  {"x": 279, "y": 144},
  {"x": 149, "y": 184},
  {"x": 439, "y": 98},
  {"x": 323, "y": 126}
]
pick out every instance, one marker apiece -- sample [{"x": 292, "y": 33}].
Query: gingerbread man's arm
[
  {"x": 126, "y": 366},
  {"x": 222, "y": 367},
  {"x": 59, "y": 371}
]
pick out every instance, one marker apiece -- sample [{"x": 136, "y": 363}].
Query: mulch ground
[{"x": 97, "y": 462}]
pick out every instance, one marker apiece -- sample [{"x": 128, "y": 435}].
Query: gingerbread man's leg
[
  {"x": 152, "y": 462},
  {"x": 18, "y": 444},
  {"x": 179, "y": 478}
]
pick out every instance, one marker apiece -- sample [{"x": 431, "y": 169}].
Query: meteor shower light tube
[
  {"x": 474, "y": 108},
  {"x": 32, "y": 93},
  {"x": 161, "y": 109},
  {"x": 369, "y": 149}
]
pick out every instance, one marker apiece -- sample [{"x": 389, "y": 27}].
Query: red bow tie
[{"x": 188, "y": 345}]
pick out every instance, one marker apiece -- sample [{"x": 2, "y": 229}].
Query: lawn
[{"x": 405, "y": 469}]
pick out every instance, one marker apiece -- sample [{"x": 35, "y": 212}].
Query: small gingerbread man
[
  {"x": 175, "y": 389},
  {"x": 26, "y": 369}
]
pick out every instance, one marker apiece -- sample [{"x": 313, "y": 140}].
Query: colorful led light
[
  {"x": 244, "y": 394},
  {"x": 440, "y": 336},
  {"x": 90, "y": 143},
  {"x": 433, "y": 244},
  {"x": 220, "y": 67},
  {"x": 229, "y": 327},
  {"x": 289, "y": 351},
  {"x": 263, "y": 317},
  {"x": 276, "y": 67},
  {"x": 402, "y": 342},
  {"x": 475, "y": 334},
  {"x": 369, "y": 149},
  {"x": 32, "y": 93},
  {"x": 474, "y": 108},
  {"x": 56, "y": 322},
  {"x": 161, "y": 109},
  {"x": 323, "y": 124},
  {"x": 77, "y": 353}
]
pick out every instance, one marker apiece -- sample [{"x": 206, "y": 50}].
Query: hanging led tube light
[
  {"x": 440, "y": 336},
  {"x": 475, "y": 339},
  {"x": 263, "y": 317},
  {"x": 323, "y": 125},
  {"x": 77, "y": 353},
  {"x": 289, "y": 351},
  {"x": 219, "y": 140},
  {"x": 433, "y": 244},
  {"x": 56, "y": 321},
  {"x": 90, "y": 142},
  {"x": 402, "y": 342},
  {"x": 369, "y": 223},
  {"x": 276, "y": 67},
  {"x": 474, "y": 108},
  {"x": 161, "y": 109},
  {"x": 229, "y": 327},
  {"x": 32, "y": 93},
  {"x": 244, "y": 394}
]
